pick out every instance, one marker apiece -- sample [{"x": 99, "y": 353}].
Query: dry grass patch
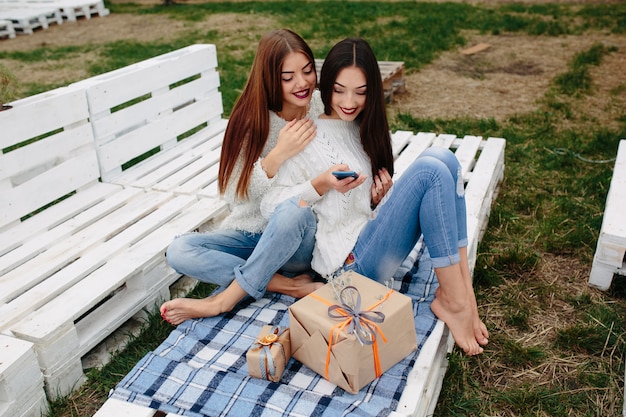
[{"x": 508, "y": 78}]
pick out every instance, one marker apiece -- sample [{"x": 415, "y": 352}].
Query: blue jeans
[
  {"x": 428, "y": 199},
  {"x": 252, "y": 259}
]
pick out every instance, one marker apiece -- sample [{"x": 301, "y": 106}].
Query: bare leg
[
  {"x": 296, "y": 287},
  {"x": 453, "y": 305},
  {"x": 180, "y": 309},
  {"x": 480, "y": 330}
]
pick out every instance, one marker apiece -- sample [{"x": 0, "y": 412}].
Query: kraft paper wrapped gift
[
  {"x": 269, "y": 354},
  {"x": 325, "y": 324}
]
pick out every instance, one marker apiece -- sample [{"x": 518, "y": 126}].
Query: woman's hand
[
  {"x": 380, "y": 186},
  {"x": 292, "y": 139},
  {"x": 327, "y": 181}
]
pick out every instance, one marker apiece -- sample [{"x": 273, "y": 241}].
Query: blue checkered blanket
[{"x": 201, "y": 370}]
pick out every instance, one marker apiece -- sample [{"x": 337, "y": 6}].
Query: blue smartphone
[{"x": 345, "y": 174}]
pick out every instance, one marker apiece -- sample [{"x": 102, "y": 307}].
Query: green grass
[{"x": 550, "y": 204}]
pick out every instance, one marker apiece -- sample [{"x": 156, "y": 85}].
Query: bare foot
[
  {"x": 459, "y": 319},
  {"x": 297, "y": 287},
  {"x": 180, "y": 309},
  {"x": 480, "y": 330}
]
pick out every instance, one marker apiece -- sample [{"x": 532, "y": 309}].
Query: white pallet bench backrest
[
  {"x": 62, "y": 161},
  {"x": 172, "y": 93},
  {"x": 610, "y": 256}
]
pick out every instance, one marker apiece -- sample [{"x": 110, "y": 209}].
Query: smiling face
[
  {"x": 298, "y": 80},
  {"x": 349, "y": 94}
]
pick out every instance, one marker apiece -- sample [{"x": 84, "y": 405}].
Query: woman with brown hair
[{"x": 268, "y": 124}]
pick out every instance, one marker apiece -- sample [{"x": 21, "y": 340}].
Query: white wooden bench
[
  {"x": 483, "y": 169},
  {"x": 7, "y": 29},
  {"x": 26, "y": 20},
  {"x": 69, "y": 10},
  {"x": 73, "y": 273},
  {"x": 610, "y": 255}
]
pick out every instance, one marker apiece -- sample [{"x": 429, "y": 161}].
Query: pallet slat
[{"x": 610, "y": 255}]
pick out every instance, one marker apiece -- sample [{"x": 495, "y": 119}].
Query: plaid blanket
[{"x": 201, "y": 370}]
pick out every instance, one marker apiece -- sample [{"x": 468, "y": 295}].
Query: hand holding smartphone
[{"x": 345, "y": 174}]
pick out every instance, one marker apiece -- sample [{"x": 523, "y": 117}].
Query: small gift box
[
  {"x": 352, "y": 330},
  {"x": 269, "y": 354}
]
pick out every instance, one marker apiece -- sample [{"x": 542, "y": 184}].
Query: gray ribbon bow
[{"x": 361, "y": 321}]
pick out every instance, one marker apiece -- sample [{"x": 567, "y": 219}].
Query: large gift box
[
  {"x": 352, "y": 330},
  {"x": 269, "y": 354}
]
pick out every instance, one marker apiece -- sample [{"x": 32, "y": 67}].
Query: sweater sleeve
[{"x": 289, "y": 182}]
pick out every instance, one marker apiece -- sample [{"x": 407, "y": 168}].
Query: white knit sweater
[
  {"x": 245, "y": 214},
  {"x": 341, "y": 217}
]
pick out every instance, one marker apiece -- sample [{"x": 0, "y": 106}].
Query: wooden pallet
[
  {"x": 610, "y": 255},
  {"x": 482, "y": 164},
  {"x": 7, "y": 29},
  {"x": 392, "y": 73},
  {"x": 26, "y": 20},
  {"x": 73, "y": 273},
  {"x": 21, "y": 381},
  {"x": 70, "y": 10}
]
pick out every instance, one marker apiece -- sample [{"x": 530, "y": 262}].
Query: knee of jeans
[
  {"x": 174, "y": 253},
  {"x": 291, "y": 210},
  {"x": 439, "y": 155}
]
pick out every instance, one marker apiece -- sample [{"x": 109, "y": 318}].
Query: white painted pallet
[
  {"x": 482, "y": 164},
  {"x": 7, "y": 29},
  {"x": 69, "y": 10},
  {"x": 610, "y": 255},
  {"x": 73, "y": 273},
  {"x": 26, "y": 20},
  {"x": 21, "y": 381},
  {"x": 151, "y": 105}
]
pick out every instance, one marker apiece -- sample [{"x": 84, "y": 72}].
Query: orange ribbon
[{"x": 341, "y": 325}]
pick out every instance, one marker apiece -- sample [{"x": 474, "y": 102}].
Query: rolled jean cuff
[
  {"x": 463, "y": 243},
  {"x": 252, "y": 291},
  {"x": 444, "y": 261}
]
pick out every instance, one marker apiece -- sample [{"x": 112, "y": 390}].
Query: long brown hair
[
  {"x": 249, "y": 124},
  {"x": 374, "y": 126}
]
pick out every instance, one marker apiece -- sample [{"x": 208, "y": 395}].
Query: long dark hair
[
  {"x": 374, "y": 126},
  {"x": 249, "y": 124}
]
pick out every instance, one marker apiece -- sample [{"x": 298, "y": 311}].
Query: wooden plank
[
  {"x": 116, "y": 408},
  {"x": 111, "y": 234},
  {"x": 63, "y": 211},
  {"x": 163, "y": 164},
  {"x": 21, "y": 381},
  {"x": 156, "y": 133},
  {"x": 134, "y": 279},
  {"x": 125, "y": 84},
  {"x": 32, "y": 243},
  {"x": 610, "y": 254}
]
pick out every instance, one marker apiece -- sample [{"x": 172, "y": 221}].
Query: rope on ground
[{"x": 565, "y": 151}]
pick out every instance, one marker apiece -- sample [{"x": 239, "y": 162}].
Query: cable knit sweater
[
  {"x": 245, "y": 214},
  {"x": 340, "y": 217}
]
